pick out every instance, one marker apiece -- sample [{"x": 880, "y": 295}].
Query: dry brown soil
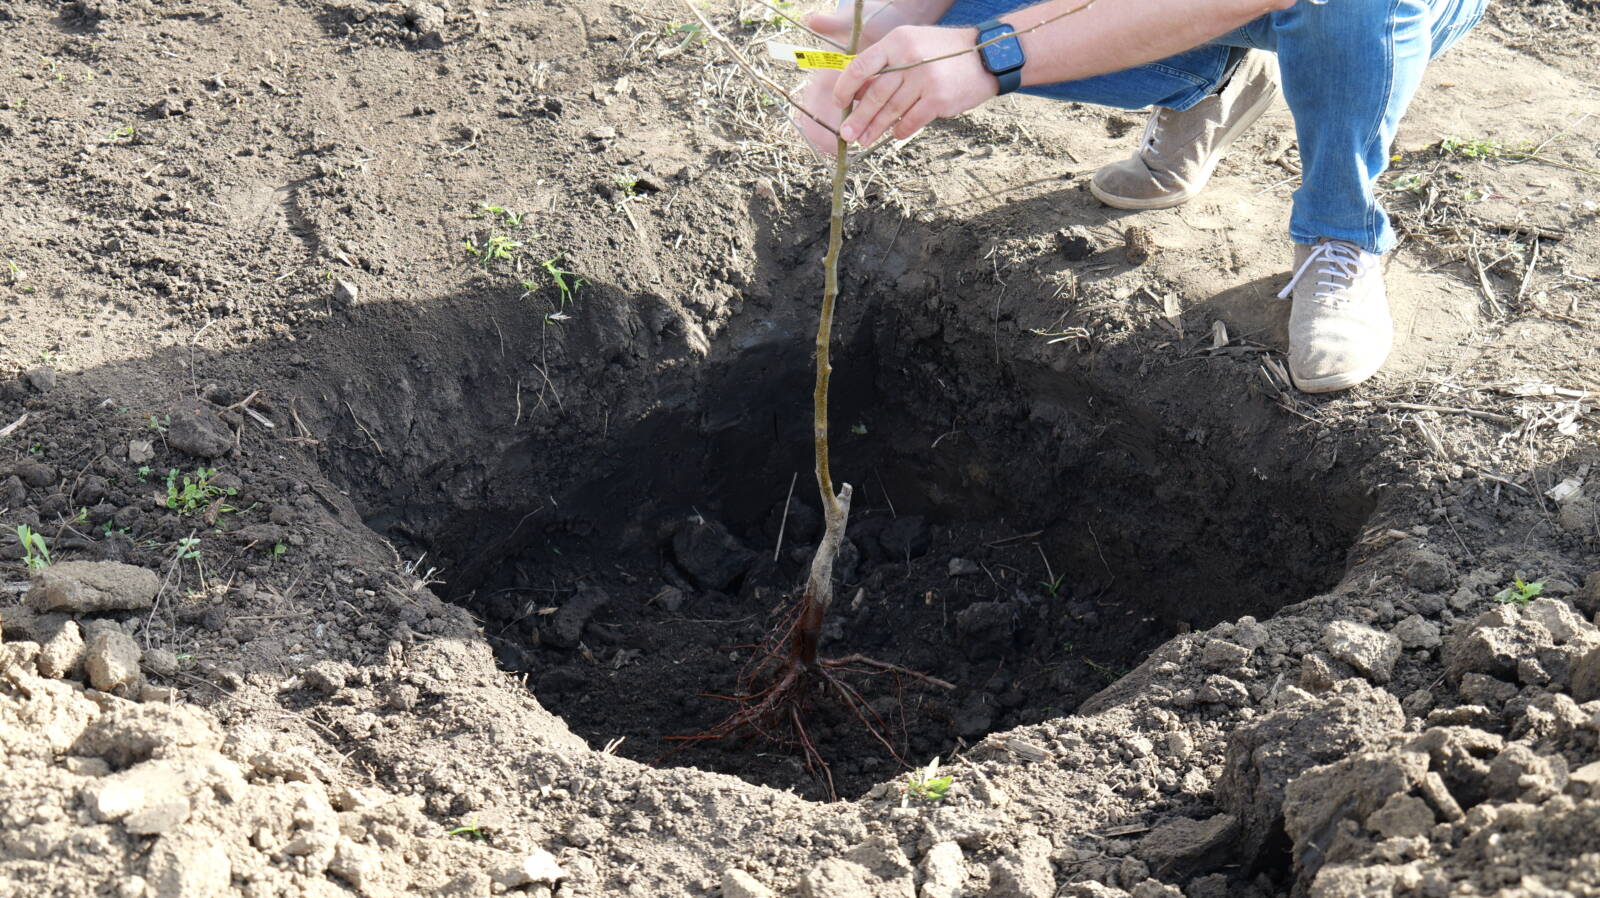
[{"x": 481, "y": 334}]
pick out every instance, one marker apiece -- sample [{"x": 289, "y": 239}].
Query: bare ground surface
[{"x": 478, "y": 534}]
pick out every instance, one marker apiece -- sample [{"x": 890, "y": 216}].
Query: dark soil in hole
[{"x": 1028, "y": 532}]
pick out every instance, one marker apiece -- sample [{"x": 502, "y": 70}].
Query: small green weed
[
  {"x": 629, "y": 186},
  {"x": 474, "y": 832},
  {"x": 126, "y": 132},
  {"x": 565, "y": 281},
  {"x": 1053, "y": 586},
  {"x": 1411, "y": 182},
  {"x": 159, "y": 425},
  {"x": 279, "y": 550},
  {"x": 1474, "y": 147},
  {"x": 35, "y": 551},
  {"x": 494, "y": 248},
  {"x": 512, "y": 219},
  {"x": 1519, "y": 593},
  {"x": 188, "y": 494},
  {"x": 1488, "y": 148},
  {"x": 926, "y": 786},
  {"x": 189, "y": 550}
]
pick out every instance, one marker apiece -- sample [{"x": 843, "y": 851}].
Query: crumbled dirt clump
[{"x": 404, "y": 431}]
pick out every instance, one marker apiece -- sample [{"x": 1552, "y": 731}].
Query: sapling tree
[{"x": 777, "y": 687}]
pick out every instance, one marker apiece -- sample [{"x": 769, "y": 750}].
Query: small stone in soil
[
  {"x": 88, "y": 587},
  {"x": 709, "y": 555},
  {"x": 112, "y": 660},
  {"x": 738, "y": 884},
  {"x": 326, "y": 677},
  {"x": 1370, "y": 651},
  {"x": 670, "y": 599},
  {"x": 34, "y": 474},
  {"x": 963, "y": 567},
  {"x": 195, "y": 429},
  {"x": 537, "y": 867},
  {"x": 61, "y": 651},
  {"x": 42, "y": 379},
  {"x": 565, "y": 629},
  {"x": 943, "y": 871}
]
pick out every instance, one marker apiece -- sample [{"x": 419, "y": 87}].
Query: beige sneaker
[
  {"x": 1340, "y": 331},
  {"x": 1180, "y": 150}
]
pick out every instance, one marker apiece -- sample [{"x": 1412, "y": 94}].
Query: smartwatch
[{"x": 1003, "y": 58}]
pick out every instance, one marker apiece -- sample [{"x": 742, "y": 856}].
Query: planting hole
[{"x": 1025, "y": 527}]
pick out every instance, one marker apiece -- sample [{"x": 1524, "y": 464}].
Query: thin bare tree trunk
[{"x": 835, "y": 507}]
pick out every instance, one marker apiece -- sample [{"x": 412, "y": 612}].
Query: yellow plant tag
[
  {"x": 809, "y": 59},
  {"x": 821, "y": 59}
]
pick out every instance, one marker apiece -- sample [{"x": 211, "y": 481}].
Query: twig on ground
[
  {"x": 363, "y": 428},
  {"x": 1527, "y": 273},
  {"x": 783, "y": 524},
  {"x": 11, "y": 428},
  {"x": 1448, "y": 410}
]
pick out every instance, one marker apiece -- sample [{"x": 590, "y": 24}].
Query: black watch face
[{"x": 1003, "y": 55}]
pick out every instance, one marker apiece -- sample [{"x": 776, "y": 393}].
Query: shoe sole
[
  {"x": 1336, "y": 382},
  {"x": 1333, "y": 382},
  {"x": 1167, "y": 201}
]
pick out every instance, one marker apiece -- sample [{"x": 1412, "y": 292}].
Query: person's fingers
[
  {"x": 873, "y": 99},
  {"x": 915, "y": 119},
  {"x": 832, "y": 24},
  {"x": 903, "y": 99},
  {"x": 820, "y": 138},
  {"x": 816, "y": 97},
  {"x": 858, "y": 72}
]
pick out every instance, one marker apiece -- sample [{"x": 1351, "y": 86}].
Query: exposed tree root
[{"x": 779, "y": 687}]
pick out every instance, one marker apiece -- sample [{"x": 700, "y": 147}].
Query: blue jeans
[{"x": 1350, "y": 68}]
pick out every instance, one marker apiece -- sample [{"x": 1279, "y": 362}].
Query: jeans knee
[{"x": 1343, "y": 28}]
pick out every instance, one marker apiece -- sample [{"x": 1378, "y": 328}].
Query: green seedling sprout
[
  {"x": 187, "y": 495},
  {"x": 926, "y": 786},
  {"x": 35, "y": 551},
  {"x": 1519, "y": 593}
]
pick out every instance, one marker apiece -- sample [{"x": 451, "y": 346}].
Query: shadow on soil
[{"x": 607, "y": 493}]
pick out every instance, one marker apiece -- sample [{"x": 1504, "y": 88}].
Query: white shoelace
[
  {"x": 1333, "y": 258},
  {"x": 1152, "y": 133}
]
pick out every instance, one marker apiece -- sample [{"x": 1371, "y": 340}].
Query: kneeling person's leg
[{"x": 1350, "y": 70}]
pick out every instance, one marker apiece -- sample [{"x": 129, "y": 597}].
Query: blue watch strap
[
  {"x": 1003, "y": 58},
  {"x": 1009, "y": 81}
]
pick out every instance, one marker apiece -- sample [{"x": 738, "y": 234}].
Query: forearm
[
  {"x": 922, "y": 12},
  {"x": 1113, "y": 35}
]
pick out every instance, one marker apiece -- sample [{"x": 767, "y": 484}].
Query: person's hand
[
  {"x": 817, "y": 96},
  {"x": 915, "y": 96}
]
